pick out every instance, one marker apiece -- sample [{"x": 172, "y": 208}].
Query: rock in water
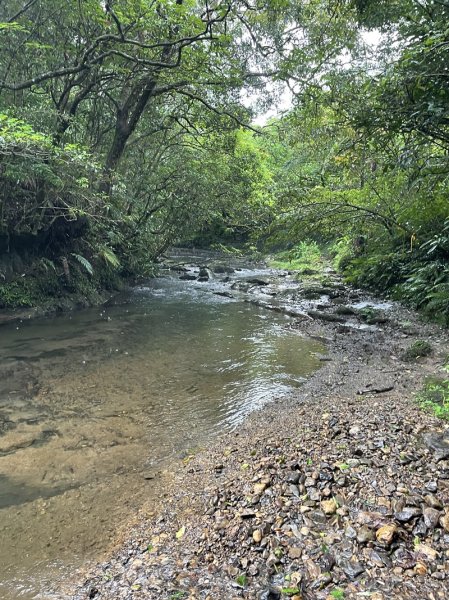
[{"x": 204, "y": 274}]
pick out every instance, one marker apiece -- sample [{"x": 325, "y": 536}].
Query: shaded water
[{"x": 92, "y": 403}]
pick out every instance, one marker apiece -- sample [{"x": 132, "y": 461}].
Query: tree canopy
[{"x": 128, "y": 125}]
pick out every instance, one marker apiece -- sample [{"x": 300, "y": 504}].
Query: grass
[
  {"x": 337, "y": 593},
  {"x": 417, "y": 350},
  {"x": 434, "y": 397},
  {"x": 291, "y": 591}
]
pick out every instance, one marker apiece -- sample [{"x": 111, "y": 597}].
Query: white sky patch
[
  {"x": 281, "y": 104},
  {"x": 283, "y": 99},
  {"x": 372, "y": 38}
]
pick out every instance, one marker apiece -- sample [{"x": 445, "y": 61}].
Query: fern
[
  {"x": 47, "y": 264},
  {"x": 109, "y": 257},
  {"x": 84, "y": 263}
]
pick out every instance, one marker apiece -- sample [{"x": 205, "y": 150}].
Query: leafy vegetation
[
  {"x": 290, "y": 591},
  {"x": 305, "y": 257},
  {"x": 128, "y": 126},
  {"x": 435, "y": 397},
  {"x": 417, "y": 349},
  {"x": 242, "y": 580}
]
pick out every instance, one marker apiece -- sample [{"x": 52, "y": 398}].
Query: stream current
[{"x": 94, "y": 402}]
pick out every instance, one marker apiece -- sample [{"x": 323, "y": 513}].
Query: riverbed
[
  {"x": 95, "y": 403},
  {"x": 340, "y": 489}
]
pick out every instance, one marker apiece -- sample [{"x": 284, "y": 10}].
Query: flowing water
[{"x": 93, "y": 402}]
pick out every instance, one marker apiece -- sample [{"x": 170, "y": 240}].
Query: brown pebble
[
  {"x": 420, "y": 568},
  {"x": 257, "y": 536},
  {"x": 259, "y": 488},
  {"x": 329, "y": 507},
  {"x": 294, "y": 552},
  {"x": 444, "y": 521},
  {"x": 385, "y": 534}
]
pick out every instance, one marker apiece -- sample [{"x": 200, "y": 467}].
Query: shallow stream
[{"x": 94, "y": 402}]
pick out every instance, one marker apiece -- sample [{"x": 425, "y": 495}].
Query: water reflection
[{"x": 90, "y": 401}]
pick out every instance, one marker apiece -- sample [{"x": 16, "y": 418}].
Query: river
[{"x": 94, "y": 402}]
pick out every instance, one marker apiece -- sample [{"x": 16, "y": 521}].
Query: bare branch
[{"x": 221, "y": 113}]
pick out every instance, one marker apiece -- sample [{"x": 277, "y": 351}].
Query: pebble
[
  {"x": 445, "y": 522},
  {"x": 338, "y": 493},
  {"x": 259, "y": 488},
  {"x": 431, "y": 517},
  {"x": 257, "y": 536},
  {"x": 385, "y": 534},
  {"x": 329, "y": 507}
]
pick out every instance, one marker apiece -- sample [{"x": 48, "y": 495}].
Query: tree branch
[
  {"x": 221, "y": 113},
  {"x": 21, "y": 11}
]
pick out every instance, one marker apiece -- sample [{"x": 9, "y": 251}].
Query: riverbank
[
  {"x": 341, "y": 491},
  {"x": 51, "y": 307}
]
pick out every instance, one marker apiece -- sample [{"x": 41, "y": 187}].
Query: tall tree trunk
[{"x": 127, "y": 118}]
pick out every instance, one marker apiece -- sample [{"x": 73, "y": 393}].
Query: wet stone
[
  {"x": 407, "y": 514},
  {"x": 431, "y": 517},
  {"x": 364, "y": 535},
  {"x": 352, "y": 568}
]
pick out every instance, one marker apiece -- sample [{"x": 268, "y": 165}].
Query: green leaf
[
  {"x": 109, "y": 257},
  {"x": 84, "y": 263},
  {"x": 290, "y": 591},
  {"x": 14, "y": 26}
]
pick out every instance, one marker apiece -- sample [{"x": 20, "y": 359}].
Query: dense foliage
[{"x": 125, "y": 127}]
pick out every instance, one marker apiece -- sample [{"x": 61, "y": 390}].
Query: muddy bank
[{"x": 341, "y": 491}]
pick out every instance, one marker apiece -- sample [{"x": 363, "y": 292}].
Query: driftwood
[{"x": 379, "y": 390}]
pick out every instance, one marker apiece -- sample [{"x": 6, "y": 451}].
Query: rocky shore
[{"x": 341, "y": 491}]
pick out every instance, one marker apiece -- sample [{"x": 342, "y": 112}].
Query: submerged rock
[{"x": 188, "y": 277}]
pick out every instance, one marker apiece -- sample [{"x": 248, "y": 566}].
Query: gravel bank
[{"x": 339, "y": 492}]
